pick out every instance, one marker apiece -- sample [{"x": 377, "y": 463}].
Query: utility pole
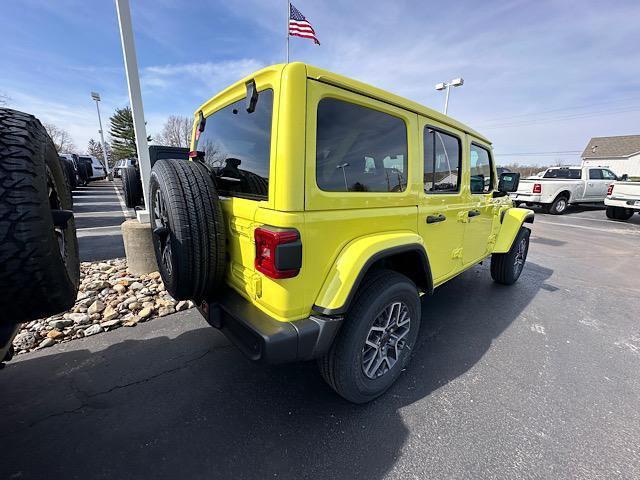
[
  {"x": 135, "y": 97},
  {"x": 96, "y": 97}
]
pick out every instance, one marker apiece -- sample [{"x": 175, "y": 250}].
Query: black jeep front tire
[
  {"x": 507, "y": 267},
  {"x": 188, "y": 229},
  {"x": 347, "y": 367},
  {"x": 40, "y": 269}
]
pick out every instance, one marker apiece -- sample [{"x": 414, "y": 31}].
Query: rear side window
[
  {"x": 570, "y": 173},
  {"x": 608, "y": 174},
  {"x": 441, "y": 162},
  {"x": 237, "y": 144},
  {"x": 481, "y": 170},
  {"x": 359, "y": 149}
]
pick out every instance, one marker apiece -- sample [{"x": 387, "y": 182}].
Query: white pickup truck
[
  {"x": 559, "y": 187},
  {"x": 623, "y": 200}
]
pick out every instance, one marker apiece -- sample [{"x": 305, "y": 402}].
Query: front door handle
[
  {"x": 436, "y": 218},
  {"x": 473, "y": 213}
]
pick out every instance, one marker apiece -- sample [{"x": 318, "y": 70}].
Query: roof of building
[{"x": 620, "y": 146}]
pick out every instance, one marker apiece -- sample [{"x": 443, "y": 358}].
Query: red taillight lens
[
  {"x": 278, "y": 252},
  {"x": 610, "y": 190},
  {"x": 537, "y": 188}
]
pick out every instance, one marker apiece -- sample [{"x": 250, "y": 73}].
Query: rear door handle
[
  {"x": 436, "y": 218},
  {"x": 473, "y": 213}
]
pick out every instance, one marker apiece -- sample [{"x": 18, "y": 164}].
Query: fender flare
[
  {"x": 355, "y": 260},
  {"x": 511, "y": 221}
]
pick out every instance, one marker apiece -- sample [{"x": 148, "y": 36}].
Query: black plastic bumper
[{"x": 261, "y": 337}]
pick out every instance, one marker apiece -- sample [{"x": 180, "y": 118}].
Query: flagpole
[{"x": 288, "y": 16}]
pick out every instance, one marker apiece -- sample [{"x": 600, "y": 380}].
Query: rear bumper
[
  {"x": 629, "y": 203},
  {"x": 526, "y": 197},
  {"x": 262, "y": 338}
]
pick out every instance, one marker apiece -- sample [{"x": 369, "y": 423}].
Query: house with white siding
[{"x": 620, "y": 154}]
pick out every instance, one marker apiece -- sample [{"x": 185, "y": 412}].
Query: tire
[
  {"x": 345, "y": 366},
  {"x": 132, "y": 186},
  {"x": 67, "y": 173},
  {"x": 255, "y": 184},
  {"x": 507, "y": 267},
  {"x": 611, "y": 213},
  {"x": 82, "y": 173},
  {"x": 188, "y": 229},
  {"x": 40, "y": 266},
  {"x": 559, "y": 205}
]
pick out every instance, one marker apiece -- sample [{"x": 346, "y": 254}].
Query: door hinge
[{"x": 456, "y": 253}]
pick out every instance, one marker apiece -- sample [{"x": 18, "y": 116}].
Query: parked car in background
[
  {"x": 560, "y": 187},
  {"x": 623, "y": 200},
  {"x": 94, "y": 168},
  {"x": 122, "y": 164}
]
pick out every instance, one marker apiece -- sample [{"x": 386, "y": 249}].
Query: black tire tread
[{"x": 502, "y": 263}]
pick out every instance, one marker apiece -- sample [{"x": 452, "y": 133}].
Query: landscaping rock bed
[{"x": 109, "y": 298}]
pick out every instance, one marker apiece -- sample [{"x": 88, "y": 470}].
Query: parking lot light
[
  {"x": 96, "y": 96},
  {"x": 456, "y": 82}
]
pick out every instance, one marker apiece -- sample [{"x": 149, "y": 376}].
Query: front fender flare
[
  {"x": 511, "y": 221},
  {"x": 353, "y": 262}
]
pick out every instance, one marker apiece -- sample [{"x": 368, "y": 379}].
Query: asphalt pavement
[
  {"x": 99, "y": 210},
  {"x": 537, "y": 380}
]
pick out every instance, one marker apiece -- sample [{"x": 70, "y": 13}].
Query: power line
[{"x": 527, "y": 154}]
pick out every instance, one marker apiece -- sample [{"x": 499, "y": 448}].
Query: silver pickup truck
[
  {"x": 560, "y": 187},
  {"x": 623, "y": 200}
]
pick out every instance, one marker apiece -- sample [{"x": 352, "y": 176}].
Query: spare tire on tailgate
[
  {"x": 38, "y": 245},
  {"x": 188, "y": 229}
]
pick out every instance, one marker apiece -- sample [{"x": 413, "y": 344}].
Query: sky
[{"x": 539, "y": 77}]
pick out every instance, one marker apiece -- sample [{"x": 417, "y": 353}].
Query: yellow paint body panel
[{"x": 341, "y": 231}]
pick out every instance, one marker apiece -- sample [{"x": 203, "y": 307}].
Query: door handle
[
  {"x": 436, "y": 218},
  {"x": 473, "y": 213}
]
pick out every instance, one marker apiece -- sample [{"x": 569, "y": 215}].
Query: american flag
[{"x": 299, "y": 26}]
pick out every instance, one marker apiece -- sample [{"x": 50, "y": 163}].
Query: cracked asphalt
[{"x": 538, "y": 380}]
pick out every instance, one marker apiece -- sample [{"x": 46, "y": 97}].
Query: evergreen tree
[
  {"x": 94, "y": 149},
  {"x": 123, "y": 137}
]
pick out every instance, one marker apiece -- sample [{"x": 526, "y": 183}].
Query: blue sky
[{"x": 541, "y": 76}]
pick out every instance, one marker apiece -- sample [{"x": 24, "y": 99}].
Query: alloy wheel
[{"x": 161, "y": 230}]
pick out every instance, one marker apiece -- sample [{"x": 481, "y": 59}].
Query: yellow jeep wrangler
[{"x": 316, "y": 210}]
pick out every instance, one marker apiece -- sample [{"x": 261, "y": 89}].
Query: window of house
[
  {"x": 441, "y": 162},
  {"x": 481, "y": 170},
  {"x": 359, "y": 149}
]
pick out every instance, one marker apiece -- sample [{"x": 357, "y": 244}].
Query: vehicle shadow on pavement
[{"x": 193, "y": 407}]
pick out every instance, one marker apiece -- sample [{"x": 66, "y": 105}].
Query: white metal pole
[
  {"x": 104, "y": 146},
  {"x": 135, "y": 97},
  {"x": 288, "y": 17},
  {"x": 446, "y": 99}
]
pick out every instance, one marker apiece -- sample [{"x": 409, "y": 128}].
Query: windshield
[
  {"x": 570, "y": 173},
  {"x": 237, "y": 144}
]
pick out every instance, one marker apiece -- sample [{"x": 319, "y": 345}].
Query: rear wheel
[
  {"x": 188, "y": 229},
  {"x": 132, "y": 187},
  {"x": 507, "y": 267},
  {"x": 559, "y": 205},
  {"x": 377, "y": 339},
  {"x": 619, "y": 213},
  {"x": 39, "y": 249}
]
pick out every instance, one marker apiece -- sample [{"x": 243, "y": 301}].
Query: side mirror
[
  {"x": 624, "y": 177},
  {"x": 508, "y": 182}
]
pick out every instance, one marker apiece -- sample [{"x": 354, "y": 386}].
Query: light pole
[
  {"x": 96, "y": 97},
  {"x": 456, "y": 82}
]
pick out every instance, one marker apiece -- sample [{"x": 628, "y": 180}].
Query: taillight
[
  {"x": 610, "y": 190},
  {"x": 278, "y": 252},
  {"x": 537, "y": 188}
]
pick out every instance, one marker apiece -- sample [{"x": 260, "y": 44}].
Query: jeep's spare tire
[
  {"x": 188, "y": 229},
  {"x": 38, "y": 245},
  {"x": 132, "y": 186}
]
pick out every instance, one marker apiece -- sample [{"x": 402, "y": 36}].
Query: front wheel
[
  {"x": 377, "y": 339},
  {"x": 507, "y": 267}
]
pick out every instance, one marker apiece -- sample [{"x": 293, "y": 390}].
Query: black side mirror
[
  {"x": 624, "y": 177},
  {"x": 252, "y": 96},
  {"x": 508, "y": 182}
]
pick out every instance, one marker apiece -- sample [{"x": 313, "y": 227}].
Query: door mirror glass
[{"x": 508, "y": 182}]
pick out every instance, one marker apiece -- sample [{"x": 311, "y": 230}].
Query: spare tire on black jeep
[
  {"x": 132, "y": 186},
  {"x": 38, "y": 244},
  {"x": 188, "y": 229}
]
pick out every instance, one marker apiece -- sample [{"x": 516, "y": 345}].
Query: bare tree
[
  {"x": 176, "y": 132},
  {"x": 61, "y": 138},
  {"x": 3, "y": 99}
]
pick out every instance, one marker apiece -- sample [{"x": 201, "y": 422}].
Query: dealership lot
[
  {"x": 99, "y": 211},
  {"x": 538, "y": 380}
]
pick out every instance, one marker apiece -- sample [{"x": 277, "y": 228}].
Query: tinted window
[
  {"x": 359, "y": 149},
  {"x": 441, "y": 162},
  {"x": 237, "y": 144},
  {"x": 481, "y": 176},
  {"x": 595, "y": 174},
  {"x": 570, "y": 173}
]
